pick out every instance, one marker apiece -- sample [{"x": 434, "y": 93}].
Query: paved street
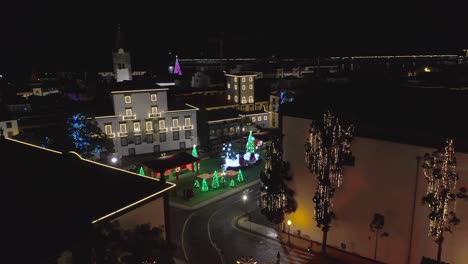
[{"x": 208, "y": 235}]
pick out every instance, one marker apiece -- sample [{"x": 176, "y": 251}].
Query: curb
[
  {"x": 236, "y": 222},
  {"x": 215, "y": 199}
]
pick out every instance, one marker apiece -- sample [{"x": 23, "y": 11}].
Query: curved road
[{"x": 208, "y": 235}]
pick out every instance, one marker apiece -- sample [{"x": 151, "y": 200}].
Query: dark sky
[{"x": 79, "y": 36}]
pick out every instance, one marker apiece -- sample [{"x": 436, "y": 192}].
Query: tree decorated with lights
[
  {"x": 142, "y": 171},
  {"x": 195, "y": 154},
  {"x": 232, "y": 183},
  {"x": 276, "y": 198},
  {"x": 215, "y": 181},
  {"x": 250, "y": 146},
  {"x": 204, "y": 187},
  {"x": 440, "y": 171},
  {"x": 222, "y": 181},
  {"x": 327, "y": 150},
  {"x": 240, "y": 176},
  {"x": 177, "y": 69},
  {"x": 86, "y": 138},
  {"x": 196, "y": 184}
]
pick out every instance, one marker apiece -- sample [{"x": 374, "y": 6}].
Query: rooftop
[
  {"x": 135, "y": 86},
  {"x": 55, "y": 197},
  {"x": 223, "y": 114}
]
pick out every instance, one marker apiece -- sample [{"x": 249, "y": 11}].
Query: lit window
[
  {"x": 149, "y": 125},
  {"x": 250, "y": 86},
  {"x": 235, "y": 86},
  {"x": 175, "y": 122},
  {"x": 229, "y": 86},
  {"x": 243, "y": 79},
  {"x": 162, "y": 124},
  {"x": 128, "y": 99},
  {"x": 250, "y": 79},
  {"x": 235, "y": 79},
  {"x": 253, "y": 119},
  {"x": 265, "y": 118},
  {"x": 136, "y": 126},
  {"x": 187, "y": 121},
  {"x": 154, "y": 97},
  {"x": 128, "y": 112},
  {"x": 251, "y": 99},
  {"x": 229, "y": 97},
  {"x": 244, "y": 100},
  {"x": 108, "y": 129},
  {"x": 259, "y": 118},
  {"x": 123, "y": 128},
  {"x": 243, "y": 87},
  {"x": 235, "y": 98},
  {"x": 154, "y": 109}
]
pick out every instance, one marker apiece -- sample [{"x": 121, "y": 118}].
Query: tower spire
[{"x": 119, "y": 39}]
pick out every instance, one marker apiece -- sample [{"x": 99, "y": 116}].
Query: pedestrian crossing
[{"x": 294, "y": 256}]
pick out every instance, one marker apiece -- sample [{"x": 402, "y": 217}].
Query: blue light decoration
[
  {"x": 285, "y": 97},
  {"x": 81, "y": 135}
]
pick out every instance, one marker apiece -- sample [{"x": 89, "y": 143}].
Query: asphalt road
[{"x": 208, "y": 235}]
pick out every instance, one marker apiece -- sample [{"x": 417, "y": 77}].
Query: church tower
[{"x": 121, "y": 59}]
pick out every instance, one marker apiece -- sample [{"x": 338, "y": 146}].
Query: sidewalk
[
  {"x": 334, "y": 255},
  {"x": 214, "y": 199}
]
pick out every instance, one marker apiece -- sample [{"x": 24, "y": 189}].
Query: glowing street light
[
  {"x": 244, "y": 197},
  {"x": 289, "y": 232},
  {"x": 114, "y": 160}
]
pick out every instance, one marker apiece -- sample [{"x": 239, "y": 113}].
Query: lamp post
[{"x": 289, "y": 232}]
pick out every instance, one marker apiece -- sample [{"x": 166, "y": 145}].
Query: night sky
[{"x": 74, "y": 37}]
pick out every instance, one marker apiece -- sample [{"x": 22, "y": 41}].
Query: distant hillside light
[{"x": 427, "y": 69}]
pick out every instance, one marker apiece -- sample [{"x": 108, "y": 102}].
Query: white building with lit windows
[{"x": 144, "y": 122}]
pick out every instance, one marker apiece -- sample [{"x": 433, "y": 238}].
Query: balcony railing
[
  {"x": 137, "y": 132},
  {"x": 154, "y": 115},
  {"x": 175, "y": 128},
  {"x": 163, "y": 130},
  {"x": 122, "y": 134},
  {"x": 189, "y": 127},
  {"x": 111, "y": 135},
  {"x": 130, "y": 117},
  {"x": 149, "y": 131}
]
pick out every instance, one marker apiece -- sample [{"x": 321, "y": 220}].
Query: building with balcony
[{"x": 144, "y": 122}]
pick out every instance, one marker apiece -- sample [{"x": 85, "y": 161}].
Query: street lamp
[
  {"x": 289, "y": 232},
  {"x": 114, "y": 160},
  {"x": 244, "y": 199}
]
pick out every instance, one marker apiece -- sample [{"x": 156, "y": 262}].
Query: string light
[
  {"x": 440, "y": 172},
  {"x": 327, "y": 149}
]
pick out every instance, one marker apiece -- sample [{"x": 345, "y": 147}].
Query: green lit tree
[
  {"x": 276, "y": 198},
  {"x": 196, "y": 184},
  {"x": 327, "y": 151},
  {"x": 222, "y": 181},
  {"x": 142, "y": 171},
  {"x": 215, "y": 181},
  {"x": 240, "y": 176},
  {"x": 204, "y": 186},
  {"x": 195, "y": 154},
  {"x": 250, "y": 146},
  {"x": 232, "y": 183},
  {"x": 440, "y": 171}
]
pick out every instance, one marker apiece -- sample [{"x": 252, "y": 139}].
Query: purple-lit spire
[{"x": 177, "y": 67}]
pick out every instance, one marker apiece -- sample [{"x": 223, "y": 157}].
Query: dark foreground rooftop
[{"x": 52, "y": 199}]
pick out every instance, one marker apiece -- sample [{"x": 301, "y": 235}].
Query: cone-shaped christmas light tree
[
  {"x": 196, "y": 184},
  {"x": 215, "y": 181},
  {"x": 177, "y": 69},
  {"x": 232, "y": 183},
  {"x": 240, "y": 176},
  {"x": 204, "y": 187},
  {"x": 195, "y": 154},
  {"x": 222, "y": 181},
  {"x": 250, "y": 146},
  {"x": 142, "y": 171}
]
